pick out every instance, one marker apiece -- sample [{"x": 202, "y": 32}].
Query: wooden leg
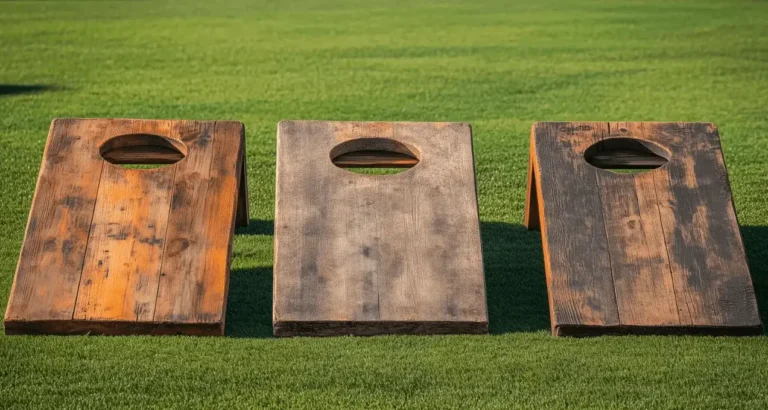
[
  {"x": 242, "y": 195},
  {"x": 531, "y": 218}
]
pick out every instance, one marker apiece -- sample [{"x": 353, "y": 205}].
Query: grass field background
[{"x": 498, "y": 65}]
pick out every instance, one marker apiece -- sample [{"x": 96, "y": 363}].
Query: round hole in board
[
  {"x": 626, "y": 155},
  {"x": 142, "y": 151},
  {"x": 374, "y": 156}
]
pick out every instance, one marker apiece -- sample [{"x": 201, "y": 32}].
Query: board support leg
[
  {"x": 531, "y": 218},
  {"x": 242, "y": 195}
]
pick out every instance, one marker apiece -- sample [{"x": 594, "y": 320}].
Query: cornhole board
[
  {"x": 114, "y": 250},
  {"x": 656, "y": 252},
  {"x": 361, "y": 254}
]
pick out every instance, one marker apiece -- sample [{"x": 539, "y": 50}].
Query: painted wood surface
[
  {"x": 373, "y": 254},
  {"x": 113, "y": 250},
  {"x": 654, "y": 252}
]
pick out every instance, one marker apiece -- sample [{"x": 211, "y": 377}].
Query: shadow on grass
[
  {"x": 514, "y": 272},
  {"x": 756, "y": 246},
  {"x": 16, "y": 89},
  {"x": 517, "y": 294},
  {"x": 257, "y": 227},
  {"x": 514, "y": 278},
  {"x": 249, "y": 305}
]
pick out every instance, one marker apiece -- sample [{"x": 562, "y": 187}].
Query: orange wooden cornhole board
[
  {"x": 114, "y": 250},
  {"x": 372, "y": 254},
  {"x": 652, "y": 252}
]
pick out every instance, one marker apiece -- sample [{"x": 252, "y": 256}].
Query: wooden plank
[
  {"x": 127, "y": 237},
  {"x": 48, "y": 272},
  {"x": 311, "y": 228},
  {"x": 645, "y": 294},
  {"x": 708, "y": 262},
  {"x": 122, "y": 262},
  {"x": 195, "y": 272},
  {"x": 577, "y": 259},
  {"x": 373, "y": 254}
]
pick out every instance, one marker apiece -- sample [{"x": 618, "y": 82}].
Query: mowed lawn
[{"x": 498, "y": 65}]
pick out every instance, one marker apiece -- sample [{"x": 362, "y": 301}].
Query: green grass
[{"x": 498, "y": 65}]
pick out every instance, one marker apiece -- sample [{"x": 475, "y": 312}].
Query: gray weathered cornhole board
[{"x": 376, "y": 254}]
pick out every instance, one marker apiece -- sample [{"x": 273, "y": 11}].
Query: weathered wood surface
[
  {"x": 373, "y": 254},
  {"x": 113, "y": 250},
  {"x": 656, "y": 252}
]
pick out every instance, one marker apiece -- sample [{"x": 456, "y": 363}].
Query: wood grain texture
[
  {"x": 201, "y": 226},
  {"x": 670, "y": 259},
  {"x": 118, "y": 226},
  {"x": 48, "y": 273},
  {"x": 583, "y": 284},
  {"x": 374, "y": 254},
  {"x": 122, "y": 262}
]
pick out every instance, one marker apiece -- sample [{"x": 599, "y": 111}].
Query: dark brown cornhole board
[
  {"x": 657, "y": 252},
  {"x": 113, "y": 250},
  {"x": 374, "y": 254}
]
